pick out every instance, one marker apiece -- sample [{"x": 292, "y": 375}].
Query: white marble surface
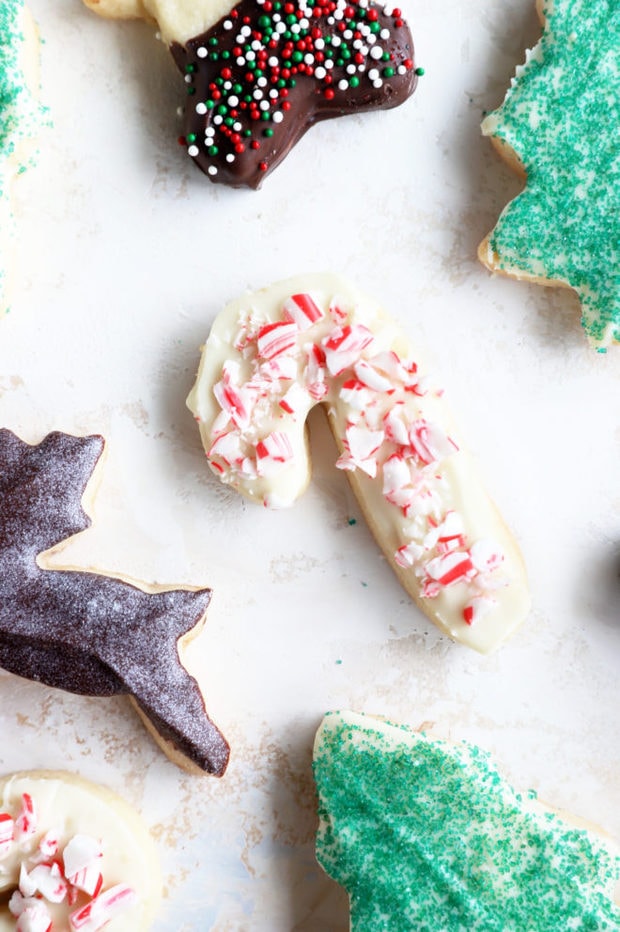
[{"x": 125, "y": 255}]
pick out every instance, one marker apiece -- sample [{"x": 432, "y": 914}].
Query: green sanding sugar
[
  {"x": 427, "y": 836},
  {"x": 11, "y": 80},
  {"x": 562, "y": 117}
]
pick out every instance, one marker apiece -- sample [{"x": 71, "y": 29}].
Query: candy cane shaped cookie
[
  {"x": 73, "y": 856},
  {"x": 271, "y": 356}
]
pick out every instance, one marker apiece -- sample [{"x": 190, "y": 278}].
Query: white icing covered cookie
[
  {"x": 73, "y": 854},
  {"x": 271, "y": 356}
]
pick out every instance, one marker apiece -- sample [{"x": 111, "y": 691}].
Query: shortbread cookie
[
  {"x": 559, "y": 125},
  {"x": 426, "y": 835},
  {"x": 271, "y": 356},
  {"x": 20, "y": 116},
  {"x": 266, "y": 72},
  {"x": 73, "y": 856},
  {"x": 85, "y": 632}
]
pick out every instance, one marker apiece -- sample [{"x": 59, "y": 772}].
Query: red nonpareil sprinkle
[{"x": 329, "y": 93}]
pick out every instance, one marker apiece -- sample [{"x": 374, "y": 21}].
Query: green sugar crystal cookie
[
  {"x": 561, "y": 120},
  {"x": 20, "y": 113},
  {"x": 425, "y": 835}
]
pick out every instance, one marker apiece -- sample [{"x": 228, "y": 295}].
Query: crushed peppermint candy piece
[
  {"x": 32, "y": 914},
  {"x": 26, "y": 821},
  {"x": 48, "y": 845},
  {"x": 302, "y": 309},
  {"x": 102, "y": 909},
  {"x": 344, "y": 345},
  {"x": 274, "y": 339},
  {"x": 7, "y": 828},
  {"x": 81, "y": 858}
]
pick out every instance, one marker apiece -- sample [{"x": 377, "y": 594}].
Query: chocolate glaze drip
[
  {"x": 270, "y": 70},
  {"x": 84, "y": 632}
]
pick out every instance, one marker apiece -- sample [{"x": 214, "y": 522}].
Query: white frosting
[
  {"x": 70, "y": 806},
  {"x": 418, "y": 489}
]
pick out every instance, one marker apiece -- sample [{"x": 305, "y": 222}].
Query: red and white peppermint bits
[
  {"x": 105, "y": 907},
  {"x": 387, "y": 426},
  {"x": 50, "y": 874},
  {"x": 303, "y": 310}
]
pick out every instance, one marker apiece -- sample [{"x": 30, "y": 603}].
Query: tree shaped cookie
[
  {"x": 560, "y": 125},
  {"x": 426, "y": 835},
  {"x": 259, "y": 78},
  {"x": 85, "y": 632},
  {"x": 20, "y": 113}
]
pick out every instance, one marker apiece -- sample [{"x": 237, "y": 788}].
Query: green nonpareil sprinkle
[{"x": 427, "y": 836}]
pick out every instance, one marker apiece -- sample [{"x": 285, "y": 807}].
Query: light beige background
[{"x": 126, "y": 254}]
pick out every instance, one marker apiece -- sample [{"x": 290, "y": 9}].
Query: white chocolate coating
[
  {"x": 419, "y": 490},
  {"x": 72, "y": 806}
]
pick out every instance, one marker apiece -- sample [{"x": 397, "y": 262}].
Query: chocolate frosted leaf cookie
[
  {"x": 73, "y": 855},
  {"x": 85, "y": 632},
  {"x": 20, "y": 114},
  {"x": 268, "y": 70},
  {"x": 273, "y": 355},
  {"x": 424, "y": 834},
  {"x": 559, "y": 124}
]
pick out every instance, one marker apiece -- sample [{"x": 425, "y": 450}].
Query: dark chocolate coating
[
  {"x": 255, "y": 90},
  {"x": 84, "y": 632}
]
